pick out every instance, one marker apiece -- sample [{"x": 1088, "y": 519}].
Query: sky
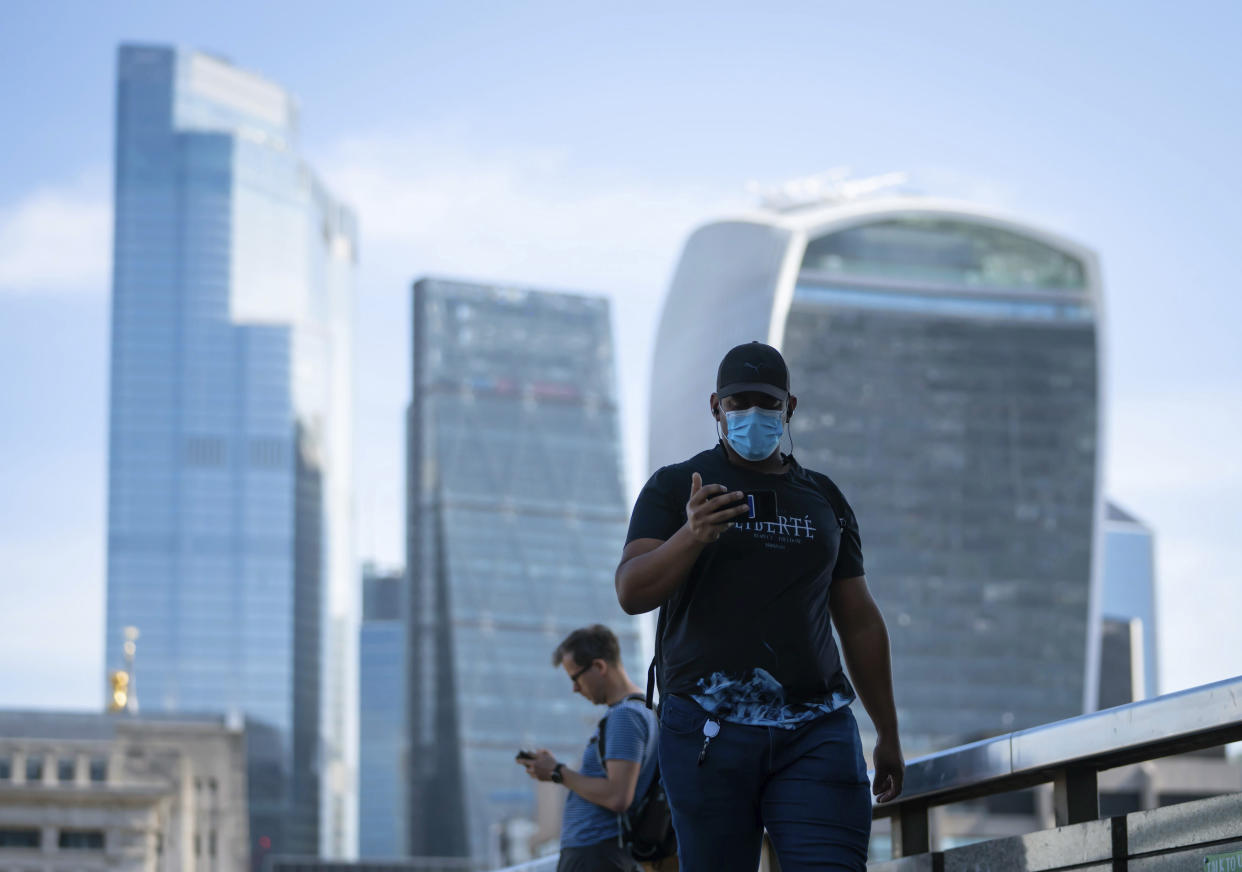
[{"x": 573, "y": 147}]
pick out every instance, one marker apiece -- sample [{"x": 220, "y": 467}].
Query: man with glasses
[
  {"x": 751, "y": 560},
  {"x": 605, "y": 785}
]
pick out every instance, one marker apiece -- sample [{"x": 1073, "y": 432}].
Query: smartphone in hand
[{"x": 762, "y": 504}]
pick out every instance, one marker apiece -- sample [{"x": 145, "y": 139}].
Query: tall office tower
[
  {"x": 516, "y": 519},
  {"x": 1128, "y": 609},
  {"x": 229, "y": 540},
  {"x": 381, "y": 715},
  {"x": 1121, "y": 658},
  {"x": 946, "y": 362}
]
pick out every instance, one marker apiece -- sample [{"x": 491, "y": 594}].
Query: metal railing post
[
  {"x": 911, "y": 830},
  {"x": 1075, "y": 795}
]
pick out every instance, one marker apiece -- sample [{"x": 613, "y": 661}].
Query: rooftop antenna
[{"x": 831, "y": 187}]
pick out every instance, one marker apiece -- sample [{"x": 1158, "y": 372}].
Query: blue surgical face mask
[{"x": 755, "y": 433}]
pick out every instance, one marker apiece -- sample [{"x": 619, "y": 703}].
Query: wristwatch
[{"x": 556, "y": 775}]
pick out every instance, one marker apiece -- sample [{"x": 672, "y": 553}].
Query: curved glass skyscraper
[
  {"x": 947, "y": 365},
  {"x": 229, "y": 538}
]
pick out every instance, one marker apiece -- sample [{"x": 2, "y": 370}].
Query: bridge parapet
[
  {"x": 1199, "y": 835},
  {"x": 1202, "y": 835},
  {"x": 1069, "y": 753}
]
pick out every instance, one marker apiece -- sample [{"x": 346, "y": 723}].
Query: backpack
[{"x": 647, "y": 825}]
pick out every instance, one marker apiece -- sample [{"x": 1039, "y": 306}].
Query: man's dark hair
[{"x": 588, "y": 644}]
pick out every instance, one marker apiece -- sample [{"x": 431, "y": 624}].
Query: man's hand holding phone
[
  {"x": 712, "y": 509},
  {"x": 539, "y": 764},
  {"x": 762, "y": 505}
]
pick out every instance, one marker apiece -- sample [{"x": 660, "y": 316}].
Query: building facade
[
  {"x": 381, "y": 716},
  {"x": 516, "y": 519},
  {"x": 946, "y": 363},
  {"x": 98, "y": 792},
  {"x": 1121, "y": 658},
  {"x": 229, "y": 540},
  {"x": 1128, "y": 609}
]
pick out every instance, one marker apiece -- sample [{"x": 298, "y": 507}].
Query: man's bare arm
[
  {"x": 864, "y": 644},
  {"x": 615, "y": 791},
  {"x": 651, "y": 569}
]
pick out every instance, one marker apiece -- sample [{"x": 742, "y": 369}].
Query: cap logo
[{"x": 753, "y": 367}]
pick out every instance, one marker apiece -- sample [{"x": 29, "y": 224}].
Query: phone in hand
[
  {"x": 523, "y": 754},
  {"x": 762, "y": 505}
]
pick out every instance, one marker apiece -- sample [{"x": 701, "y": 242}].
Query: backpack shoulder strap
[
  {"x": 599, "y": 744},
  {"x": 831, "y": 493},
  {"x": 603, "y": 726},
  {"x": 653, "y": 672}
]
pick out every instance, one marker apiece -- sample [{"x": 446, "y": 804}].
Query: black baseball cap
[{"x": 753, "y": 366}]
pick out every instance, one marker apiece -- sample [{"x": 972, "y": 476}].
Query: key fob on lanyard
[{"x": 710, "y": 730}]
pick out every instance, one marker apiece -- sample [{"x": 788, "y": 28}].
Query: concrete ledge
[
  {"x": 1173, "y": 837},
  {"x": 1042, "y": 851},
  {"x": 917, "y": 863},
  {"x": 1189, "y": 859},
  {"x": 1185, "y": 824}
]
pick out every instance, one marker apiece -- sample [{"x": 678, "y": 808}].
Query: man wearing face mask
[{"x": 755, "y": 727}]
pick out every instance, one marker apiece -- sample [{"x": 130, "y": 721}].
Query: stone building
[{"x": 88, "y": 792}]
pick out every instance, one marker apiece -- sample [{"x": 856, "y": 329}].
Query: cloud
[
  {"x": 434, "y": 203},
  {"x": 57, "y": 238}
]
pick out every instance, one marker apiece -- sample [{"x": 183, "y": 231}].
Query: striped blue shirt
[{"x": 631, "y": 734}]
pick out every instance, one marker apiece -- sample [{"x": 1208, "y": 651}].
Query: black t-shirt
[{"x": 758, "y": 596}]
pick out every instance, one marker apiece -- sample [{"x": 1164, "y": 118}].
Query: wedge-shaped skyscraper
[{"x": 516, "y": 519}]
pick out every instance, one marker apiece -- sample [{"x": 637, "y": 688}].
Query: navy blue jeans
[{"x": 806, "y": 786}]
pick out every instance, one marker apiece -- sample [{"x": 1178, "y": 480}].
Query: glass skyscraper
[
  {"x": 229, "y": 540},
  {"x": 516, "y": 519},
  {"x": 381, "y": 716},
  {"x": 1128, "y": 606},
  {"x": 946, "y": 362}
]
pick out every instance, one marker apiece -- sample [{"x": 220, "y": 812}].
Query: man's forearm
[
  {"x": 646, "y": 581},
  {"x": 869, "y": 663},
  {"x": 601, "y": 791}
]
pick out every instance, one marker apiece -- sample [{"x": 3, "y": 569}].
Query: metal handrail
[{"x": 1068, "y": 753}]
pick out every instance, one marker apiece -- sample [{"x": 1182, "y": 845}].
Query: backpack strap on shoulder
[
  {"x": 599, "y": 744},
  {"x": 653, "y": 673},
  {"x": 649, "y": 699},
  {"x": 603, "y": 726}
]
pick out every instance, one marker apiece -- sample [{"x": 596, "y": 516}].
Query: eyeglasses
[{"x": 574, "y": 678}]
